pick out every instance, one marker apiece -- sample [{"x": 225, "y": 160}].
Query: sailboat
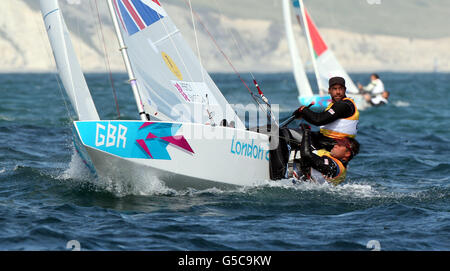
[
  {"x": 323, "y": 59},
  {"x": 306, "y": 95},
  {"x": 178, "y": 139}
]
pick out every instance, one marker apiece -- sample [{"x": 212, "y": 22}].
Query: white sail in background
[
  {"x": 304, "y": 88},
  {"x": 327, "y": 64},
  {"x": 66, "y": 61},
  {"x": 168, "y": 74}
]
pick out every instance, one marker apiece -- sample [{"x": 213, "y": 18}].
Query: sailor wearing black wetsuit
[
  {"x": 322, "y": 166},
  {"x": 338, "y": 121}
]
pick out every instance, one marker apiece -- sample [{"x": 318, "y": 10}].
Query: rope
[
  {"x": 233, "y": 37},
  {"x": 108, "y": 66},
  {"x": 196, "y": 41},
  {"x": 255, "y": 98},
  {"x": 222, "y": 52}
]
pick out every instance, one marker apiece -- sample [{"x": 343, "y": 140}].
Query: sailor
[
  {"x": 377, "y": 100},
  {"x": 338, "y": 121},
  {"x": 374, "y": 89},
  {"x": 322, "y": 166}
]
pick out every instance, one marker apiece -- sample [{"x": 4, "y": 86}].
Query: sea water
[{"x": 397, "y": 192}]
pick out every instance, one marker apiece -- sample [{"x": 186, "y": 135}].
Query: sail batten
[
  {"x": 167, "y": 37},
  {"x": 168, "y": 74}
]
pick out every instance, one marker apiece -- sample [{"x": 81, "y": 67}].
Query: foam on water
[
  {"x": 397, "y": 189},
  {"x": 77, "y": 171},
  {"x": 401, "y": 104},
  {"x": 2, "y": 117},
  {"x": 151, "y": 186},
  {"x": 146, "y": 186}
]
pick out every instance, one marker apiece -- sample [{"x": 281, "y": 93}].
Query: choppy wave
[
  {"x": 6, "y": 118},
  {"x": 361, "y": 194},
  {"x": 77, "y": 171},
  {"x": 401, "y": 104},
  {"x": 397, "y": 189}
]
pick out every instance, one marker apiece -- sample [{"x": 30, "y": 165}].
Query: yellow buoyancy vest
[
  {"x": 335, "y": 180},
  {"x": 341, "y": 128}
]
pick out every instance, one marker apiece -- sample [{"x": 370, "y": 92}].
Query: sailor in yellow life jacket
[
  {"x": 338, "y": 121},
  {"x": 322, "y": 166}
]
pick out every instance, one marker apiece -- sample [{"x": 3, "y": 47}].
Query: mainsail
[
  {"x": 66, "y": 61},
  {"x": 169, "y": 77},
  {"x": 304, "y": 88},
  {"x": 327, "y": 64}
]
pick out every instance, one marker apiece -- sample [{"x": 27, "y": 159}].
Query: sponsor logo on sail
[{"x": 172, "y": 66}]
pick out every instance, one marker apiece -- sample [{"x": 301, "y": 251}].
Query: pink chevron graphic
[
  {"x": 151, "y": 136},
  {"x": 141, "y": 143},
  {"x": 179, "y": 141},
  {"x": 145, "y": 125}
]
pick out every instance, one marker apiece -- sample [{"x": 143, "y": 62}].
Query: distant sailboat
[
  {"x": 306, "y": 95},
  {"x": 183, "y": 145},
  {"x": 324, "y": 62}
]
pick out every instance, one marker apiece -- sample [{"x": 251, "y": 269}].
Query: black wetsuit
[
  {"x": 290, "y": 139},
  {"x": 309, "y": 160},
  {"x": 340, "y": 110}
]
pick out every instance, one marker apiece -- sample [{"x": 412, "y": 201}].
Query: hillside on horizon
[
  {"x": 395, "y": 35},
  {"x": 423, "y": 19}
]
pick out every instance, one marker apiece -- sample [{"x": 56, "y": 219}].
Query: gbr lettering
[{"x": 111, "y": 136}]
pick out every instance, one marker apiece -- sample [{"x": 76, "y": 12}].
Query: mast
[
  {"x": 311, "y": 48},
  {"x": 304, "y": 88},
  {"x": 126, "y": 59}
]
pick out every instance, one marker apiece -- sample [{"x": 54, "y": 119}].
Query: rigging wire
[
  {"x": 240, "y": 51},
  {"x": 196, "y": 41},
  {"x": 255, "y": 97},
  {"x": 208, "y": 109},
  {"x": 263, "y": 98},
  {"x": 106, "y": 56}
]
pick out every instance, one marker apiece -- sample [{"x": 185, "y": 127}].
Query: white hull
[{"x": 218, "y": 158}]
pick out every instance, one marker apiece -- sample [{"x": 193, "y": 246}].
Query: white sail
[
  {"x": 304, "y": 88},
  {"x": 169, "y": 76},
  {"x": 327, "y": 64},
  {"x": 66, "y": 61}
]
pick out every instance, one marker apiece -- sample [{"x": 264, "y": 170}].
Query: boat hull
[{"x": 180, "y": 154}]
